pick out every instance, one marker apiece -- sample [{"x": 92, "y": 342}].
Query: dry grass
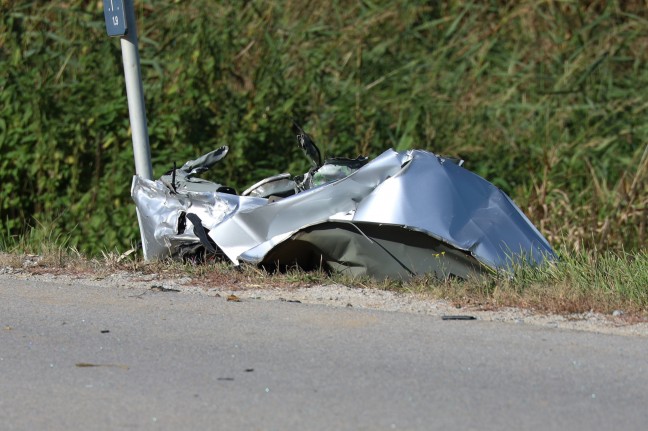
[
  {"x": 609, "y": 212},
  {"x": 579, "y": 283}
]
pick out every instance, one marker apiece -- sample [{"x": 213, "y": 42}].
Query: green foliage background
[{"x": 547, "y": 100}]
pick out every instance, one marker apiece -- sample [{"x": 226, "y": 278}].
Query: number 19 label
[{"x": 115, "y": 17}]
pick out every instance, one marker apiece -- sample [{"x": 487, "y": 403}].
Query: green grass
[
  {"x": 45, "y": 240},
  {"x": 547, "y": 100},
  {"x": 578, "y": 282}
]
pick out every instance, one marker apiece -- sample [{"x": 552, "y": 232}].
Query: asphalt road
[{"x": 76, "y": 357}]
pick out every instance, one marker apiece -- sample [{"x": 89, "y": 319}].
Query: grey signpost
[{"x": 120, "y": 22}]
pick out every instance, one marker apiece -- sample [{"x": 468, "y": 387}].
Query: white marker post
[{"x": 120, "y": 22}]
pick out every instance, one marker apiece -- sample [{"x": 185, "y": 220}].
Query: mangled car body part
[{"x": 399, "y": 215}]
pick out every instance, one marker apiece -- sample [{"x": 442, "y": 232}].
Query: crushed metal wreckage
[{"x": 399, "y": 215}]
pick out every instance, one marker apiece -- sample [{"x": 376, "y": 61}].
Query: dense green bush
[{"x": 546, "y": 100}]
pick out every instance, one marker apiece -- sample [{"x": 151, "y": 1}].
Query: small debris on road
[
  {"x": 233, "y": 298},
  {"x": 290, "y": 300},
  {"x": 89, "y": 365},
  {"x": 156, "y": 288},
  {"x": 460, "y": 317}
]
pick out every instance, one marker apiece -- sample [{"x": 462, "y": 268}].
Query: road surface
[{"x": 75, "y": 356}]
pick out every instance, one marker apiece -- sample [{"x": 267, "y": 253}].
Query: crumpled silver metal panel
[
  {"x": 262, "y": 228},
  {"x": 413, "y": 190},
  {"x": 456, "y": 206},
  {"x": 160, "y": 210}
]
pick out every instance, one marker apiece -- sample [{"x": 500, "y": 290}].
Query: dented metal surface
[{"x": 401, "y": 214}]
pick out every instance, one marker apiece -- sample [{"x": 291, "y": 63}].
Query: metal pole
[{"x": 135, "y": 95}]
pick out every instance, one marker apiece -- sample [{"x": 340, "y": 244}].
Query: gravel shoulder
[{"x": 335, "y": 295}]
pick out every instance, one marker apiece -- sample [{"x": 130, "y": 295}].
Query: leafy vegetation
[{"x": 547, "y": 100}]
